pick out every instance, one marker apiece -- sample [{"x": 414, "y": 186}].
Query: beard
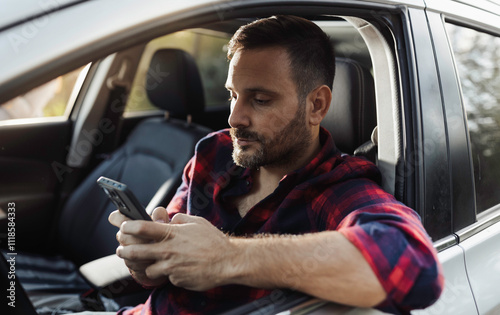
[{"x": 282, "y": 150}]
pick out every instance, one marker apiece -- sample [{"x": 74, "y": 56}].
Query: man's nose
[{"x": 239, "y": 116}]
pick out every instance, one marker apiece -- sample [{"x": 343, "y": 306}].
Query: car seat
[
  {"x": 156, "y": 152},
  {"x": 352, "y": 117}
]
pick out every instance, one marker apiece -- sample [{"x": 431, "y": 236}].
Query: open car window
[{"x": 52, "y": 99}]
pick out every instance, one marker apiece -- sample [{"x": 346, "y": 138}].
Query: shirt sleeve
[{"x": 394, "y": 242}]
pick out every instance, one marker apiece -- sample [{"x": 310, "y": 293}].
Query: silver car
[{"x": 75, "y": 83}]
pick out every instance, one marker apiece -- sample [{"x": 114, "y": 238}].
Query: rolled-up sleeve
[{"x": 393, "y": 241}]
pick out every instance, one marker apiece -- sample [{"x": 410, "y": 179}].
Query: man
[{"x": 271, "y": 203}]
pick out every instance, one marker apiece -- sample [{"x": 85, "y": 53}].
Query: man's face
[{"x": 269, "y": 126}]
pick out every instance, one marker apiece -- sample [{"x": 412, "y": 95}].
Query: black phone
[{"x": 123, "y": 198}]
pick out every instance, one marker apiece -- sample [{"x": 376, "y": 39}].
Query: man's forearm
[
  {"x": 325, "y": 265},
  {"x": 195, "y": 255}
]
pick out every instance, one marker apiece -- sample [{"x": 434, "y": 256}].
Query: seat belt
[
  {"x": 114, "y": 110},
  {"x": 369, "y": 148},
  {"x": 115, "y": 106}
]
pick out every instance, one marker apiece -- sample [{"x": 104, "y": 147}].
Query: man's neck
[
  {"x": 267, "y": 178},
  {"x": 270, "y": 176},
  {"x": 273, "y": 173}
]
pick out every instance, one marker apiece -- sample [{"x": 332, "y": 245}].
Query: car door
[
  {"x": 473, "y": 35},
  {"x": 463, "y": 36},
  {"x": 440, "y": 184},
  {"x": 35, "y": 131}
]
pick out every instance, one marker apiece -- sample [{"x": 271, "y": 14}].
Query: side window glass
[
  {"x": 207, "y": 48},
  {"x": 477, "y": 56},
  {"x": 51, "y": 99}
]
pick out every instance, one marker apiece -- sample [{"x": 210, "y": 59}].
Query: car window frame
[{"x": 478, "y": 18}]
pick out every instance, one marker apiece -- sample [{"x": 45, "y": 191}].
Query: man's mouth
[
  {"x": 244, "y": 142},
  {"x": 243, "y": 137}
]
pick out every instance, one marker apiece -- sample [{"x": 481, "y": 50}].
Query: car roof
[
  {"x": 40, "y": 40},
  {"x": 15, "y": 12},
  {"x": 63, "y": 38}
]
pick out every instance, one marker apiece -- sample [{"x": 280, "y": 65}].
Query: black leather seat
[
  {"x": 352, "y": 115},
  {"x": 150, "y": 162},
  {"x": 155, "y": 152}
]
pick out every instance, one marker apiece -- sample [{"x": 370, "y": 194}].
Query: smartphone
[{"x": 123, "y": 198}]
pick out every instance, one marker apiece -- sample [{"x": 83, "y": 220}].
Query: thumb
[
  {"x": 160, "y": 215},
  {"x": 181, "y": 218}
]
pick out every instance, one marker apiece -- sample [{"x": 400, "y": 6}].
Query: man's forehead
[
  {"x": 275, "y": 53},
  {"x": 270, "y": 66}
]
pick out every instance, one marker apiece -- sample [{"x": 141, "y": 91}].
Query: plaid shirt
[{"x": 332, "y": 192}]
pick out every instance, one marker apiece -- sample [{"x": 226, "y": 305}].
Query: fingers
[
  {"x": 116, "y": 218},
  {"x": 181, "y": 218},
  {"x": 138, "y": 265},
  {"x": 126, "y": 239},
  {"x": 147, "y": 230},
  {"x": 160, "y": 215},
  {"x": 157, "y": 269},
  {"x": 141, "y": 252}
]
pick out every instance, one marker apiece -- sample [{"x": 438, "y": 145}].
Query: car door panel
[
  {"x": 478, "y": 241},
  {"x": 31, "y": 162},
  {"x": 433, "y": 197},
  {"x": 456, "y": 127},
  {"x": 482, "y": 259}
]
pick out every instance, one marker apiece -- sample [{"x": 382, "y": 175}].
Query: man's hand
[
  {"x": 137, "y": 267},
  {"x": 193, "y": 254},
  {"x": 189, "y": 251}
]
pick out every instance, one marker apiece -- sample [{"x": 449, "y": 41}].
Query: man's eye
[{"x": 260, "y": 101}]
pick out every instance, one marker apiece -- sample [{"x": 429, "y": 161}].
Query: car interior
[{"x": 176, "y": 104}]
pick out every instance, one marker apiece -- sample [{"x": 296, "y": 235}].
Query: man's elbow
[
  {"x": 425, "y": 291},
  {"x": 424, "y": 295},
  {"x": 367, "y": 293},
  {"x": 374, "y": 296},
  {"x": 367, "y": 301}
]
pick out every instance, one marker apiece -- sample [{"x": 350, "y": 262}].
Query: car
[{"x": 80, "y": 80}]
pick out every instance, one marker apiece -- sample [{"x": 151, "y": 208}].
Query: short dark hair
[{"x": 312, "y": 59}]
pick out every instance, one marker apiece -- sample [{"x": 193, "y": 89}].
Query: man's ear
[{"x": 320, "y": 99}]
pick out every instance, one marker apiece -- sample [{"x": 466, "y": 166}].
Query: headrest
[
  {"x": 174, "y": 83},
  {"x": 352, "y": 114}
]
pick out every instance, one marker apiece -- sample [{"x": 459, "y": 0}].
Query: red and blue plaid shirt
[{"x": 332, "y": 192}]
